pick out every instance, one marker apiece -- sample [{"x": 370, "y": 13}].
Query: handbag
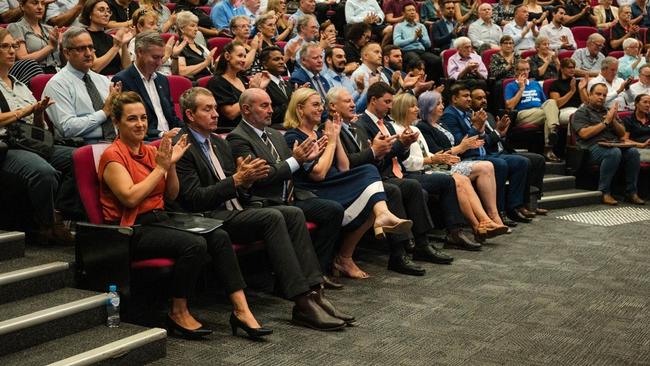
[{"x": 24, "y": 136}]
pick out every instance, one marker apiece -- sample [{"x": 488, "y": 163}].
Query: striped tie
[{"x": 287, "y": 191}]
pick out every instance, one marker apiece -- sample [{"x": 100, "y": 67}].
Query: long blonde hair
[
  {"x": 400, "y": 109},
  {"x": 298, "y": 99}
]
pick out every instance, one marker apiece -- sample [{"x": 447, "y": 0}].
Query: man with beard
[
  {"x": 392, "y": 61},
  {"x": 335, "y": 75},
  {"x": 279, "y": 90},
  {"x": 559, "y": 36}
]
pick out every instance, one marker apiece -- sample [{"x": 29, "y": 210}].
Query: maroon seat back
[
  {"x": 177, "y": 85},
  {"x": 581, "y": 33},
  {"x": 446, "y": 54}
]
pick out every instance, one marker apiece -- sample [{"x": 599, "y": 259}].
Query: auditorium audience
[
  {"x": 579, "y": 13},
  {"x": 640, "y": 10},
  {"x": 637, "y": 126},
  {"x": 522, "y": 31},
  {"x": 616, "y": 86},
  {"x": 223, "y": 12},
  {"x": 284, "y": 24},
  {"x": 545, "y": 64},
  {"x": 195, "y": 61},
  {"x": 588, "y": 59},
  {"x": 309, "y": 72},
  {"x": 624, "y": 29},
  {"x": 64, "y": 13},
  {"x": 559, "y": 36},
  {"x": 466, "y": 64},
  {"x": 483, "y": 32},
  {"x": 632, "y": 60},
  {"x": 503, "y": 12},
  {"x": 121, "y": 13},
  {"x": 204, "y": 23},
  {"x": 279, "y": 90},
  {"x": 503, "y": 63},
  {"x": 135, "y": 181},
  {"x": 307, "y": 31},
  {"x": 369, "y": 12},
  {"x": 164, "y": 18},
  {"x": 305, "y": 7},
  {"x": 429, "y": 12},
  {"x": 413, "y": 38},
  {"x": 357, "y": 38},
  {"x": 240, "y": 28},
  {"x": 372, "y": 61},
  {"x": 640, "y": 87},
  {"x": 606, "y": 14},
  {"x": 146, "y": 20},
  {"x": 445, "y": 30},
  {"x": 567, "y": 91}
]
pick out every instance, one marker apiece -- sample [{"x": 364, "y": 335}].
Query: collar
[
  {"x": 274, "y": 78},
  {"x": 462, "y": 113},
  {"x": 598, "y": 110},
  {"x": 198, "y": 137},
  {"x": 484, "y": 23},
  {"x": 76, "y": 72},
  {"x": 153, "y": 76},
  {"x": 257, "y": 130},
  {"x": 372, "y": 116},
  {"x": 554, "y": 27},
  {"x": 411, "y": 24},
  {"x": 309, "y": 73}
]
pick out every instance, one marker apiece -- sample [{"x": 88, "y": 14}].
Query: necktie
[
  {"x": 283, "y": 87},
  {"x": 319, "y": 87},
  {"x": 108, "y": 131},
  {"x": 231, "y": 204},
  {"x": 397, "y": 170},
  {"x": 287, "y": 191},
  {"x": 481, "y": 150},
  {"x": 355, "y": 136}
]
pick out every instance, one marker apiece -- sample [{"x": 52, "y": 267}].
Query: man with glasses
[
  {"x": 82, "y": 107},
  {"x": 588, "y": 59},
  {"x": 638, "y": 88}
]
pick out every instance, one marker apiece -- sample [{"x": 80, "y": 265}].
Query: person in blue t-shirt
[{"x": 528, "y": 99}]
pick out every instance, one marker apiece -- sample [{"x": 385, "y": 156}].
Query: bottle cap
[{"x": 112, "y": 288}]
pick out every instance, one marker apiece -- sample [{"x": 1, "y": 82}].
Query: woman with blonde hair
[
  {"x": 359, "y": 190},
  {"x": 428, "y": 157},
  {"x": 165, "y": 19},
  {"x": 282, "y": 22}
]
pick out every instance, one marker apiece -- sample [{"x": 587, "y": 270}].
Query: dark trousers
[
  {"x": 513, "y": 168},
  {"x": 609, "y": 159},
  {"x": 432, "y": 63},
  {"x": 444, "y": 187},
  {"x": 328, "y": 216},
  {"x": 189, "y": 252},
  {"x": 287, "y": 243},
  {"x": 536, "y": 171}
]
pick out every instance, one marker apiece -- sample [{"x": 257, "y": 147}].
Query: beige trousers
[{"x": 548, "y": 115}]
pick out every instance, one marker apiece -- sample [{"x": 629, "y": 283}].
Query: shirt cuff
[{"x": 293, "y": 164}]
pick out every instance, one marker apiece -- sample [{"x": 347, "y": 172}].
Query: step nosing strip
[
  {"x": 113, "y": 349},
  {"x": 31, "y": 272},
  {"x": 53, "y": 313},
  {"x": 569, "y": 196},
  {"x": 11, "y": 236}
]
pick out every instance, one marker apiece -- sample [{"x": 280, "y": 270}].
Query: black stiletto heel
[{"x": 253, "y": 333}]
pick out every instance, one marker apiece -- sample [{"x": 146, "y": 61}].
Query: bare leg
[
  {"x": 464, "y": 200},
  {"x": 483, "y": 174},
  {"x": 181, "y": 314},
  {"x": 241, "y": 309},
  {"x": 343, "y": 261}
]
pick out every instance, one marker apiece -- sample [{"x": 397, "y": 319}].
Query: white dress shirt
[
  {"x": 554, "y": 35},
  {"x": 612, "y": 91},
  {"x": 480, "y": 33},
  {"x": 524, "y": 43},
  {"x": 152, "y": 91},
  {"x": 357, "y": 10}
]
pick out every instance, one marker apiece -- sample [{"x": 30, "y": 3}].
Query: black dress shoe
[
  {"x": 330, "y": 284},
  {"x": 199, "y": 333},
  {"x": 519, "y": 217},
  {"x": 404, "y": 265},
  {"x": 309, "y": 314},
  {"x": 506, "y": 220},
  {"x": 331, "y": 310},
  {"x": 428, "y": 253},
  {"x": 253, "y": 333},
  {"x": 459, "y": 239},
  {"x": 409, "y": 246}
]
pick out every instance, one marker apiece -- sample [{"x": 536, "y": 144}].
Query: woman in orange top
[{"x": 135, "y": 180}]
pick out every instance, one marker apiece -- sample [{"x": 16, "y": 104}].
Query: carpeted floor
[{"x": 555, "y": 292}]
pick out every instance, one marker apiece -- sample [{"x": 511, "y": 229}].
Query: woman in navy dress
[{"x": 359, "y": 190}]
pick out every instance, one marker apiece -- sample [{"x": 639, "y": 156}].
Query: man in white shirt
[
  {"x": 368, "y": 11},
  {"x": 483, "y": 32},
  {"x": 371, "y": 61},
  {"x": 638, "y": 88},
  {"x": 82, "y": 97},
  {"x": 560, "y": 37},
  {"x": 521, "y": 30},
  {"x": 616, "y": 87},
  {"x": 588, "y": 59}
]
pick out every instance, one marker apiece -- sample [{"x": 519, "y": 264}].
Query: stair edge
[{"x": 32, "y": 272}]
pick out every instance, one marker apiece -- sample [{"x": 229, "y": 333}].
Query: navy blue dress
[{"x": 357, "y": 189}]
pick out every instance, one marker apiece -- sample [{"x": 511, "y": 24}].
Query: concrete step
[
  {"x": 12, "y": 245},
  {"x": 556, "y": 168},
  {"x": 27, "y": 322},
  {"x": 127, "y": 345},
  {"x": 554, "y": 182},
  {"x": 569, "y": 198},
  {"x": 29, "y": 276}
]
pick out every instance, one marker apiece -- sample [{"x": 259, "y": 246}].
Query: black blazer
[
  {"x": 492, "y": 143},
  {"x": 440, "y": 36},
  {"x": 358, "y": 155},
  {"x": 131, "y": 81},
  {"x": 245, "y": 141},
  {"x": 399, "y": 151},
  {"x": 280, "y": 101},
  {"x": 200, "y": 188},
  {"x": 435, "y": 139}
]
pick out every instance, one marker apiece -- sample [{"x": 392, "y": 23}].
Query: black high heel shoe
[
  {"x": 199, "y": 333},
  {"x": 253, "y": 333}
]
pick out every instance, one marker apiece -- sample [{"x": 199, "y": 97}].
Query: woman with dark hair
[
  {"x": 38, "y": 41},
  {"x": 502, "y": 63},
  {"x": 358, "y": 36},
  {"x": 135, "y": 180},
  {"x": 111, "y": 51},
  {"x": 195, "y": 61},
  {"x": 568, "y": 93},
  {"x": 637, "y": 126}
]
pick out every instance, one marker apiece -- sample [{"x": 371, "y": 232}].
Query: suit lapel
[
  {"x": 197, "y": 151},
  {"x": 141, "y": 89},
  {"x": 258, "y": 144}
]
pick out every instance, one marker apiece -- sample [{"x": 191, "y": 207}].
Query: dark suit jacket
[
  {"x": 300, "y": 77},
  {"x": 200, "y": 188},
  {"x": 131, "y": 81},
  {"x": 440, "y": 36},
  {"x": 358, "y": 155},
  {"x": 453, "y": 121},
  {"x": 399, "y": 151},
  {"x": 280, "y": 101},
  {"x": 435, "y": 139},
  {"x": 245, "y": 141},
  {"x": 492, "y": 143}
]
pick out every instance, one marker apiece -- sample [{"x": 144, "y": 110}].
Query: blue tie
[{"x": 481, "y": 150}]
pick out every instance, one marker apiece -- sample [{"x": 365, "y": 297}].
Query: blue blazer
[
  {"x": 131, "y": 81},
  {"x": 454, "y": 122},
  {"x": 300, "y": 77},
  {"x": 399, "y": 151},
  {"x": 440, "y": 36}
]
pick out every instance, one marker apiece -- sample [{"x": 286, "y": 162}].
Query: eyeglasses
[
  {"x": 81, "y": 49},
  {"x": 7, "y": 46}
]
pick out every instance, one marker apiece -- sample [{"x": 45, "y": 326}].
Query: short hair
[
  {"x": 505, "y": 38},
  {"x": 364, "y": 49},
  {"x": 406, "y": 3},
  {"x": 557, "y": 8},
  {"x": 607, "y": 61},
  {"x": 324, "y": 26},
  {"x": 401, "y": 104},
  {"x": 236, "y": 18},
  {"x": 146, "y": 39},
  {"x": 461, "y": 41},
  {"x": 334, "y": 94},
  {"x": 522, "y": 61},
  {"x": 620, "y": 8},
  {"x": 645, "y": 66},
  {"x": 638, "y": 98},
  {"x": 629, "y": 41},
  {"x": 263, "y": 18},
  {"x": 329, "y": 51},
  {"x": 539, "y": 40},
  {"x": 247, "y": 96},
  {"x": 306, "y": 47},
  {"x": 357, "y": 30},
  {"x": 455, "y": 89},
  {"x": 184, "y": 18},
  {"x": 427, "y": 102},
  {"x": 222, "y": 63},
  {"x": 378, "y": 90},
  {"x": 265, "y": 55},
  {"x": 566, "y": 62},
  {"x": 303, "y": 20},
  {"x": 487, "y": 4},
  {"x": 414, "y": 63},
  {"x": 89, "y": 6},
  {"x": 70, "y": 33},
  {"x": 595, "y": 37},
  {"x": 122, "y": 99},
  {"x": 298, "y": 98},
  {"x": 591, "y": 90},
  {"x": 140, "y": 15},
  {"x": 514, "y": 11},
  {"x": 188, "y": 100},
  {"x": 387, "y": 49}
]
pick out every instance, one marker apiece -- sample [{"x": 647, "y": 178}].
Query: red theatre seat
[
  {"x": 203, "y": 82},
  {"x": 167, "y": 36},
  {"x": 580, "y": 34},
  {"x": 565, "y": 54},
  {"x": 487, "y": 56},
  {"x": 528, "y": 53},
  {"x": 177, "y": 85},
  {"x": 219, "y": 43},
  {"x": 446, "y": 54},
  {"x": 37, "y": 85}
]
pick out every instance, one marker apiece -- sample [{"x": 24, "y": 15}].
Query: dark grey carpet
[{"x": 554, "y": 292}]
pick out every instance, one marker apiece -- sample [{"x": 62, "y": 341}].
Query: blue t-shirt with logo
[{"x": 532, "y": 97}]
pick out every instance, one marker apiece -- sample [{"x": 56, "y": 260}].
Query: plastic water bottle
[{"x": 113, "y": 307}]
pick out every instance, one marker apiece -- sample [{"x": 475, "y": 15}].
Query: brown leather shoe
[
  {"x": 609, "y": 200},
  {"x": 634, "y": 198},
  {"x": 524, "y": 211},
  {"x": 541, "y": 211}
]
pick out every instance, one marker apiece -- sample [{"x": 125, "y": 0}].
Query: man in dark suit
[
  {"x": 498, "y": 145},
  {"x": 459, "y": 119},
  {"x": 252, "y": 137},
  {"x": 405, "y": 196},
  {"x": 153, "y": 87},
  {"x": 279, "y": 90},
  {"x": 380, "y": 99},
  {"x": 446, "y": 29},
  {"x": 211, "y": 182},
  {"x": 311, "y": 58}
]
